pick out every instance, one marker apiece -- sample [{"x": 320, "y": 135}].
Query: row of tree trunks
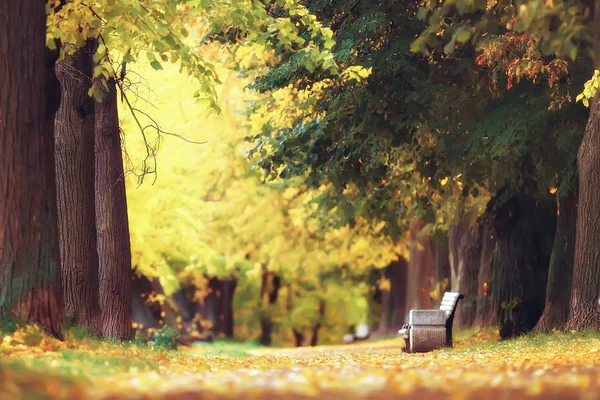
[
  {"x": 33, "y": 278},
  {"x": 30, "y": 285},
  {"x": 208, "y": 312},
  {"x": 501, "y": 263}
]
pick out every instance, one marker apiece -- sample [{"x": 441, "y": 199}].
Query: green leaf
[
  {"x": 463, "y": 36},
  {"x": 156, "y": 65}
]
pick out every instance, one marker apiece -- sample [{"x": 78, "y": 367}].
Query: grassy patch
[
  {"x": 476, "y": 340},
  {"x": 226, "y": 348}
]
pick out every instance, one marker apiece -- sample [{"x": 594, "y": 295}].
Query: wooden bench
[{"x": 428, "y": 330}]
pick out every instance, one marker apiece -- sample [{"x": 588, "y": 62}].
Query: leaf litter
[{"x": 552, "y": 366}]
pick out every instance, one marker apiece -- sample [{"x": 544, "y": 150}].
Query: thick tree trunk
[
  {"x": 397, "y": 275},
  {"x": 387, "y": 309},
  {"x": 225, "y": 296},
  {"x": 29, "y": 97},
  {"x": 486, "y": 310},
  {"x": 560, "y": 273},
  {"x": 74, "y": 135},
  {"x": 421, "y": 269},
  {"x": 585, "y": 300},
  {"x": 525, "y": 232},
  {"x": 114, "y": 250},
  {"x": 464, "y": 262},
  {"x": 442, "y": 263},
  {"x": 393, "y": 301}
]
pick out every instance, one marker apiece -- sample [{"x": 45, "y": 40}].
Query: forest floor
[{"x": 558, "y": 365}]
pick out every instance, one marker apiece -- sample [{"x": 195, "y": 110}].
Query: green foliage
[
  {"x": 9, "y": 324},
  {"x": 164, "y": 338},
  {"x": 159, "y": 32},
  {"x": 224, "y": 348},
  {"x": 426, "y": 128}
]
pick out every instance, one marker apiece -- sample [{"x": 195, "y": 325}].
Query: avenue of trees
[{"x": 391, "y": 150}]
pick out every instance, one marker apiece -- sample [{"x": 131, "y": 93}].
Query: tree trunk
[
  {"x": 144, "y": 314},
  {"x": 387, "y": 309},
  {"x": 421, "y": 271},
  {"x": 442, "y": 264},
  {"x": 74, "y": 135},
  {"x": 185, "y": 307},
  {"x": 524, "y": 226},
  {"x": 464, "y": 263},
  {"x": 560, "y": 273},
  {"x": 298, "y": 338},
  {"x": 29, "y": 97},
  {"x": 397, "y": 276},
  {"x": 227, "y": 291},
  {"x": 269, "y": 291},
  {"x": 393, "y": 300},
  {"x": 585, "y": 303},
  {"x": 314, "y": 340},
  {"x": 486, "y": 310},
  {"x": 114, "y": 250}
]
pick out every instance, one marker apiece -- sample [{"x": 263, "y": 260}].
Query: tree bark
[
  {"x": 524, "y": 226},
  {"x": 29, "y": 97},
  {"x": 442, "y": 263},
  {"x": 421, "y": 271},
  {"x": 225, "y": 319},
  {"x": 74, "y": 135},
  {"x": 585, "y": 303},
  {"x": 114, "y": 249},
  {"x": 560, "y": 273},
  {"x": 393, "y": 301},
  {"x": 486, "y": 310},
  {"x": 397, "y": 275},
  {"x": 464, "y": 264}
]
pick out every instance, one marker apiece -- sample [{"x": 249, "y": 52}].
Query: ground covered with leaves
[{"x": 559, "y": 365}]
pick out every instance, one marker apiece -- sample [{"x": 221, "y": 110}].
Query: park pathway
[{"x": 511, "y": 370}]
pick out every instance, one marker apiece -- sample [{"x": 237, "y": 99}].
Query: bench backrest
[{"x": 449, "y": 302}]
